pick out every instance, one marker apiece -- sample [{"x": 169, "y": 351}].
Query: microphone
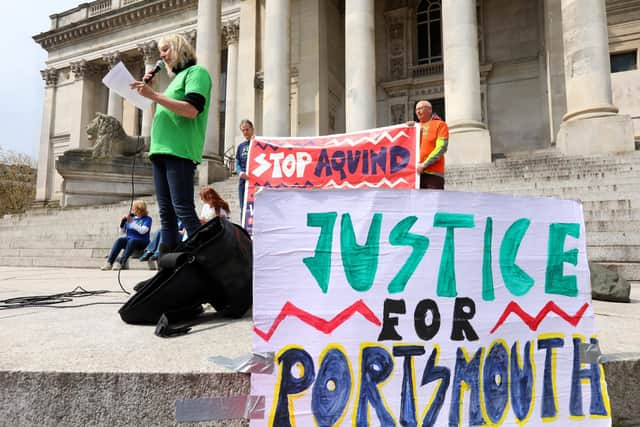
[{"x": 159, "y": 66}]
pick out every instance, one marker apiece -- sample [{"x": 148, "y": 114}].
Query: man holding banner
[{"x": 434, "y": 139}]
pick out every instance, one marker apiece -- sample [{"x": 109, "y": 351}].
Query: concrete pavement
[{"x": 88, "y": 355}]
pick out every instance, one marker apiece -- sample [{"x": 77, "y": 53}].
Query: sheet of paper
[{"x": 118, "y": 80}]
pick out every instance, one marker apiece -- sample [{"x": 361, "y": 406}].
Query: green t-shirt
[{"x": 177, "y": 135}]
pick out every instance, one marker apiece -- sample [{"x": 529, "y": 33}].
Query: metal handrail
[{"x": 230, "y": 159}]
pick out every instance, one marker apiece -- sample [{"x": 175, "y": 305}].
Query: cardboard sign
[
  {"x": 416, "y": 308},
  {"x": 376, "y": 158}
]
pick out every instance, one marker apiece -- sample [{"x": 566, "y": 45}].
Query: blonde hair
[
  {"x": 181, "y": 47},
  {"x": 141, "y": 206}
]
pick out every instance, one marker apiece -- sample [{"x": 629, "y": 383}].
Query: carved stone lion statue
[{"x": 111, "y": 139}]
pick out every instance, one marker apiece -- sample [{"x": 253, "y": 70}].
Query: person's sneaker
[
  {"x": 106, "y": 266},
  {"x": 145, "y": 256},
  {"x": 118, "y": 266},
  {"x": 153, "y": 257}
]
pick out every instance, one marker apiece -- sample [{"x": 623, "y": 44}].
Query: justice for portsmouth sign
[{"x": 422, "y": 308}]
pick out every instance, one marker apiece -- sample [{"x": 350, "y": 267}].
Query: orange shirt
[{"x": 434, "y": 138}]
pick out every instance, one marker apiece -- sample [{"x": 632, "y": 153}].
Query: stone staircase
[
  {"x": 80, "y": 237},
  {"x": 607, "y": 185}
]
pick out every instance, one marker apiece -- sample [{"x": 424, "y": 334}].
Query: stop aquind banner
[
  {"x": 423, "y": 308},
  {"x": 375, "y": 158}
]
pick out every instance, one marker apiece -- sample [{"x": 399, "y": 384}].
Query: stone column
[
  {"x": 231, "y": 32},
  {"x": 469, "y": 139},
  {"x": 359, "y": 64},
  {"x": 150, "y": 55},
  {"x": 208, "y": 51},
  {"x": 44, "y": 183},
  {"x": 276, "y": 56},
  {"x": 81, "y": 108},
  {"x": 247, "y": 105},
  {"x": 591, "y": 124},
  {"x": 312, "y": 103},
  {"x": 114, "y": 107},
  {"x": 554, "y": 69}
]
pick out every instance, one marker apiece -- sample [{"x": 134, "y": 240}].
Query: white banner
[{"x": 420, "y": 308}]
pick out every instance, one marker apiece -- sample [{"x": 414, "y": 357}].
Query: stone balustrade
[
  {"x": 424, "y": 70},
  {"x": 88, "y": 10}
]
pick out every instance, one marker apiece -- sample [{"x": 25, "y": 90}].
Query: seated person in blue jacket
[
  {"x": 135, "y": 228},
  {"x": 152, "y": 251}
]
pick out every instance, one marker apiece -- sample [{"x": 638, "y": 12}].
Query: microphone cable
[
  {"x": 50, "y": 301},
  {"x": 133, "y": 168}
]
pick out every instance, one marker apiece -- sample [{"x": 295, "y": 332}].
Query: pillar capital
[
  {"x": 191, "y": 37},
  {"x": 149, "y": 51},
  {"x": 83, "y": 69},
  {"x": 231, "y": 31},
  {"x": 112, "y": 58},
  {"x": 50, "y": 76}
]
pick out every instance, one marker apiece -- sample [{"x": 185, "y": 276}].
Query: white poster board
[
  {"x": 409, "y": 307},
  {"x": 118, "y": 80}
]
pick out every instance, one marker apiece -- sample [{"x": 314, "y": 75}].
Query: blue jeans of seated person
[
  {"x": 129, "y": 245},
  {"x": 173, "y": 183}
]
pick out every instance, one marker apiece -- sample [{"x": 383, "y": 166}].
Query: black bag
[{"x": 214, "y": 266}]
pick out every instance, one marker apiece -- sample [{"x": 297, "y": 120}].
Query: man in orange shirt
[{"x": 434, "y": 139}]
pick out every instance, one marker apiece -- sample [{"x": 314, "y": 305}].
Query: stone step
[
  {"x": 70, "y": 262},
  {"x": 611, "y": 214},
  {"x": 607, "y": 226},
  {"x": 544, "y": 170},
  {"x": 558, "y": 162},
  {"x": 51, "y": 252},
  {"x": 609, "y": 204},
  {"x": 544, "y": 174},
  {"x": 605, "y": 238},
  {"x": 614, "y": 253},
  {"x": 553, "y": 189}
]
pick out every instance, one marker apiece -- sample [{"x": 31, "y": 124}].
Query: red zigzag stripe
[
  {"x": 322, "y": 325},
  {"x": 534, "y": 322}
]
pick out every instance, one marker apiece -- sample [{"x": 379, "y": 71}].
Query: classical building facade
[{"x": 507, "y": 75}]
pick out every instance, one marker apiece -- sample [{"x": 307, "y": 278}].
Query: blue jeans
[
  {"x": 129, "y": 245},
  {"x": 154, "y": 243},
  {"x": 173, "y": 183},
  {"x": 241, "y": 185}
]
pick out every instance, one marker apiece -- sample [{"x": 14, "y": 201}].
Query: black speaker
[{"x": 214, "y": 266}]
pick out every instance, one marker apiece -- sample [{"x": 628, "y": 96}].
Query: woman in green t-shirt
[{"x": 177, "y": 135}]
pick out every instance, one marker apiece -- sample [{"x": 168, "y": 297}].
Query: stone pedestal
[
  {"x": 211, "y": 169},
  {"x": 596, "y": 135},
  {"x": 88, "y": 181},
  {"x": 468, "y": 144},
  {"x": 591, "y": 125}
]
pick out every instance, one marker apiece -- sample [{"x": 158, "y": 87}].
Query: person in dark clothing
[{"x": 246, "y": 127}]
